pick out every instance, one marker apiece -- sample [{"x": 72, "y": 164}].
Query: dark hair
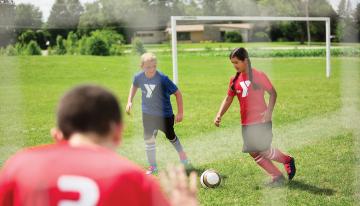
[
  {"x": 87, "y": 108},
  {"x": 242, "y": 54}
]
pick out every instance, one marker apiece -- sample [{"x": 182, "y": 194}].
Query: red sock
[
  {"x": 276, "y": 155},
  {"x": 267, "y": 165}
]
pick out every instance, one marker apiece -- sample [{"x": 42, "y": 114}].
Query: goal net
[{"x": 184, "y": 35}]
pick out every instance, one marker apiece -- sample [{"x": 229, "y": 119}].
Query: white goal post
[{"x": 243, "y": 18}]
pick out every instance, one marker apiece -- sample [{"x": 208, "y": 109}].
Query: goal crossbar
[{"x": 174, "y": 19}]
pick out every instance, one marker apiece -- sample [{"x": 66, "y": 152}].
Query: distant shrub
[
  {"x": 2, "y": 51},
  {"x": 97, "y": 46},
  {"x": 33, "y": 48},
  {"x": 116, "y": 50},
  {"x": 71, "y": 43},
  {"x": 10, "y": 50},
  {"x": 20, "y": 49},
  {"x": 233, "y": 36},
  {"x": 261, "y": 37},
  {"x": 26, "y": 37},
  {"x": 60, "y": 48},
  {"x": 109, "y": 36},
  {"x": 82, "y": 47},
  {"x": 208, "y": 48},
  {"x": 138, "y": 46},
  {"x": 101, "y": 43}
]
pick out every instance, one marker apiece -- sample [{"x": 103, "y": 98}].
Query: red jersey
[
  {"x": 252, "y": 101},
  {"x": 63, "y": 175}
]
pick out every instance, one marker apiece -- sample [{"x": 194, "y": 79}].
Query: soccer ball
[{"x": 210, "y": 179}]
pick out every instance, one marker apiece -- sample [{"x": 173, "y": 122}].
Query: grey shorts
[{"x": 257, "y": 137}]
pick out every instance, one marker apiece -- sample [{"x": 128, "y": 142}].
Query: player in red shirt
[
  {"x": 83, "y": 168},
  {"x": 250, "y": 85}
]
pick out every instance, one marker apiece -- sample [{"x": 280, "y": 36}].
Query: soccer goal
[{"x": 174, "y": 19}]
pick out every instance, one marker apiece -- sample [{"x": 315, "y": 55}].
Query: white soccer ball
[{"x": 210, "y": 179}]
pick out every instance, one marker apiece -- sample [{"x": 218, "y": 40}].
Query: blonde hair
[{"x": 148, "y": 56}]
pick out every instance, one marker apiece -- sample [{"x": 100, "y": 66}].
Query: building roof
[
  {"x": 234, "y": 26},
  {"x": 187, "y": 28},
  {"x": 200, "y": 27}
]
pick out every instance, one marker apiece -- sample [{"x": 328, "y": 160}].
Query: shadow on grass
[{"x": 297, "y": 185}]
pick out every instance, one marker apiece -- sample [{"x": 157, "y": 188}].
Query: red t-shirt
[
  {"x": 56, "y": 174},
  {"x": 252, "y": 102}
]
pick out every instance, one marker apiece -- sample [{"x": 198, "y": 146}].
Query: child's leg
[
  {"x": 276, "y": 155},
  {"x": 150, "y": 148},
  {"x": 150, "y": 132},
  {"x": 266, "y": 164},
  {"x": 171, "y": 136}
]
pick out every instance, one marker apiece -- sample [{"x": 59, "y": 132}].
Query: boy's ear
[
  {"x": 118, "y": 130},
  {"x": 57, "y": 135}
]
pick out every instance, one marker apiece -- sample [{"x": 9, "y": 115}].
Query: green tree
[
  {"x": 71, "y": 43},
  {"x": 209, "y": 7},
  {"x": 64, "y": 17},
  {"x": 60, "y": 46},
  {"x": 92, "y": 19},
  {"x": 7, "y": 17},
  {"x": 97, "y": 46},
  {"x": 298, "y": 30},
  {"x": 233, "y": 36},
  {"x": 33, "y": 48},
  {"x": 189, "y": 8},
  {"x": 242, "y": 7},
  {"x": 27, "y": 36},
  {"x": 342, "y": 9},
  {"x": 138, "y": 46},
  {"x": 27, "y": 17},
  {"x": 346, "y": 29},
  {"x": 357, "y": 19}
]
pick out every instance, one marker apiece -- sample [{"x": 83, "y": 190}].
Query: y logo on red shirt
[{"x": 245, "y": 87}]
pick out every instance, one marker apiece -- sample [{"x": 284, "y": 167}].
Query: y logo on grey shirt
[{"x": 149, "y": 89}]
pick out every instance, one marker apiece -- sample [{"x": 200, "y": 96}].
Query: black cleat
[{"x": 290, "y": 168}]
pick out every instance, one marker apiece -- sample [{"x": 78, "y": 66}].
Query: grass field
[{"x": 315, "y": 119}]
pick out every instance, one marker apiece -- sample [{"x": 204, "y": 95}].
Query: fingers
[
  {"x": 165, "y": 182},
  {"x": 193, "y": 183},
  {"x": 182, "y": 181},
  {"x": 217, "y": 121},
  {"x": 178, "y": 118},
  {"x": 175, "y": 178},
  {"x": 128, "y": 108},
  {"x": 181, "y": 190}
]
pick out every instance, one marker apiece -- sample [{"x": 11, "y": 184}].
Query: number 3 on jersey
[{"x": 87, "y": 188}]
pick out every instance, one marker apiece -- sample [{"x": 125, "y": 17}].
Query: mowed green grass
[{"x": 30, "y": 88}]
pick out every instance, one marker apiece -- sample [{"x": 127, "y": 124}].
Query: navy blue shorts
[{"x": 154, "y": 123}]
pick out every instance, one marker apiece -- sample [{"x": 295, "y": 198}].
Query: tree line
[{"x": 23, "y": 23}]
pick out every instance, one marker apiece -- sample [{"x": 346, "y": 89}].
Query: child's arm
[
  {"x": 272, "y": 100},
  {"x": 223, "y": 108},
  {"x": 179, "y": 101},
  {"x": 132, "y": 93}
]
